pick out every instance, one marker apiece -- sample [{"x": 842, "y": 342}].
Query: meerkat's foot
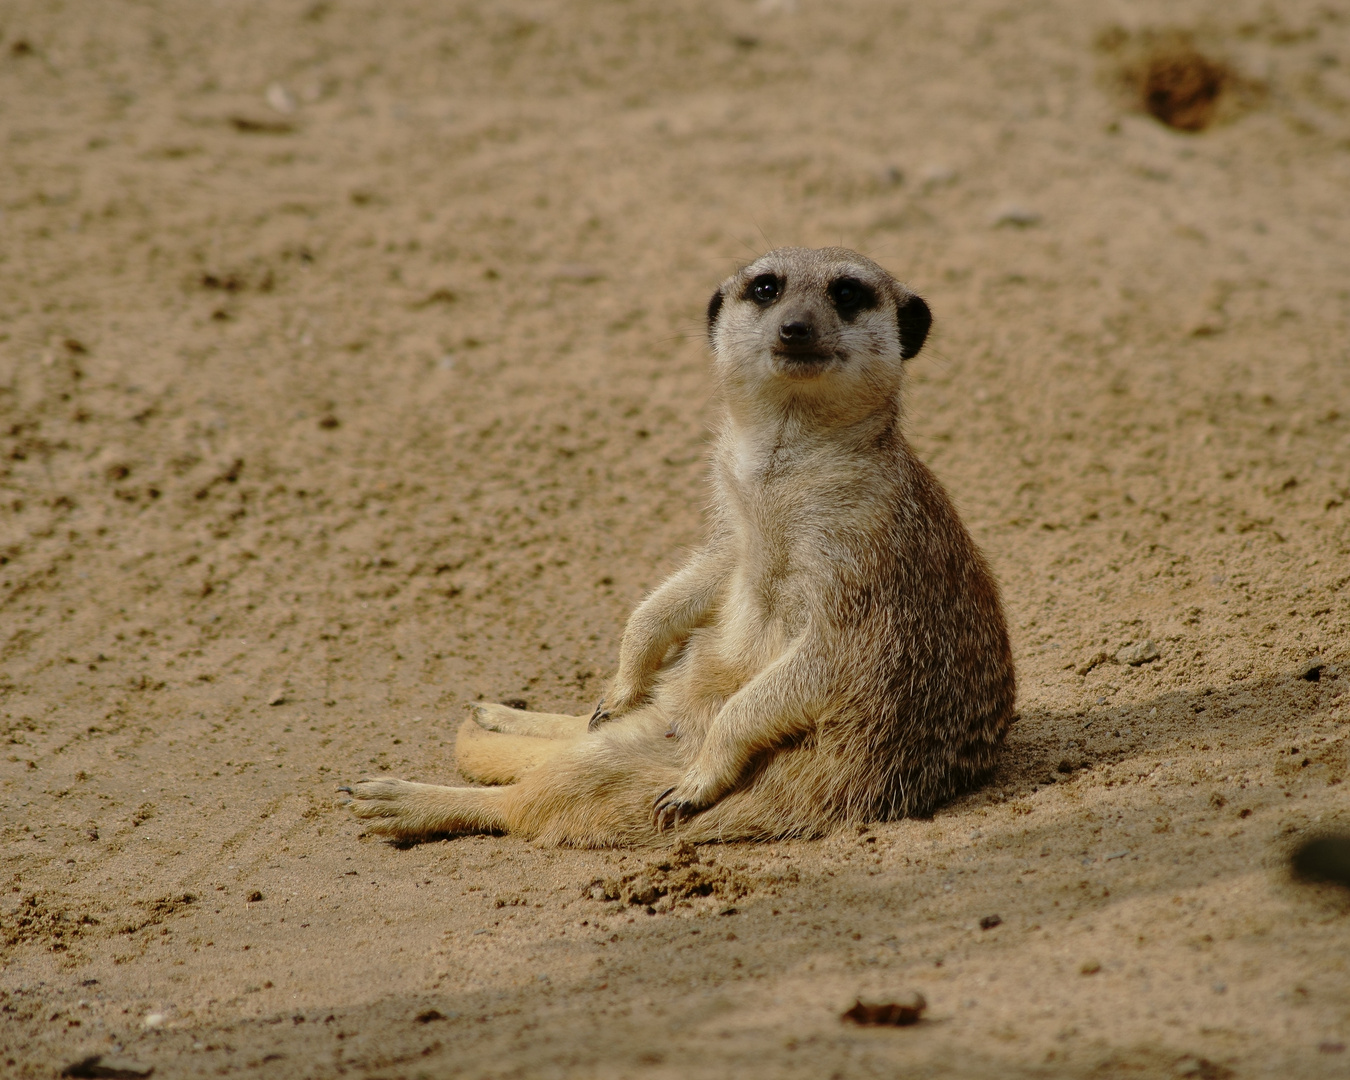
[
  {"x": 405, "y": 809},
  {"x": 508, "y": 721},
  {"x": 601, "y": 715}
]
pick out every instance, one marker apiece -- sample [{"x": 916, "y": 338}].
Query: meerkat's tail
[
  {"x": 498, "y": 744},
  {"x": 491, "y": 716},
  {"x": 489, "y": 757}
]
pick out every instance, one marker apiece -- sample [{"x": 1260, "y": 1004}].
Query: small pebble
[
  {"x": 281, "y": 99},
  {"x": 936, "y": 176},
  {"x": 1017, "y": 216},
  {"x": 1095, "y": 660},
  {"x": 152, "y": 1020},
  {"x": 578, "y": 272},
  {"x": 1143, "y": 653},
  {"x": 1090, "y": 967}
]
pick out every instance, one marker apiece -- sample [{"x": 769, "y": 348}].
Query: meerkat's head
[{"x": 827, "y": 328}]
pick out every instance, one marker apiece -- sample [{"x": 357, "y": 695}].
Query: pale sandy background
[{"x": 350, "y": 356}]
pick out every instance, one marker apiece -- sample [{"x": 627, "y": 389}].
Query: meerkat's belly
[{"x": 747, "y": 634}]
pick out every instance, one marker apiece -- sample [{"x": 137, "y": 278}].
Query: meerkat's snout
[
  {"x": 800, "y": 347},
  {"x": 798, "y": 334}
]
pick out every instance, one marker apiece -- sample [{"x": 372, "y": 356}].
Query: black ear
[
  {"x": 915, "y": 319},
  {"x": 714, "y": 306}
]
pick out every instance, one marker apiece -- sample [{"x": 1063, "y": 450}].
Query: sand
[{"x": 351, "y": 369}]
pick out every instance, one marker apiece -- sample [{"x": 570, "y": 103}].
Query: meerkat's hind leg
[
  {"x": 407, "y": 810},
  {"x": 509, "y": 721}
]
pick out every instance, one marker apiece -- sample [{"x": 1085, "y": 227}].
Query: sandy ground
[{"x": 351, "y": 369}]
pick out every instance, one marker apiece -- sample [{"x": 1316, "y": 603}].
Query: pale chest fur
[{"x": 797, "y": 523}]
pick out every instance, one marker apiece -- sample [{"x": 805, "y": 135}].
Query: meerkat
[{"x": 836, "y": 653}]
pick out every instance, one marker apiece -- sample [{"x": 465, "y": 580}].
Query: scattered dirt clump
[
  {"x": 1181, "y": 87},
  {"x": 156, "y": 911},
  {"x": 681, "y": 876},
  {"x": 1168, "y": 76},
  {"x": 35, "y": 921}
]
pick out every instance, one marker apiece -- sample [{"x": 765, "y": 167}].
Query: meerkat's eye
[
  {"x": 851, "y": 296},
  {"x": 765, "y": 289}
]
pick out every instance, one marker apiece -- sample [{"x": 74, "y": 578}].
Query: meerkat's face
[{"x": 815, "y": 322}]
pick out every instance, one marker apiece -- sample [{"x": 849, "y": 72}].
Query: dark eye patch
[
  {"x": 764, "y": 289},
  {"x": 850, "y": 296}
]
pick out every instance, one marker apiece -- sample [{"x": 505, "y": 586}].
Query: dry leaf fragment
[{"x": 900, "y": 1013}]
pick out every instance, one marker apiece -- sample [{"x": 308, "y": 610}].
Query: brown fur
[{"x": 836, "y": 653}]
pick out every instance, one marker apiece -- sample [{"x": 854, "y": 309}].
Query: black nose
[{"x": 796, "y": 333}]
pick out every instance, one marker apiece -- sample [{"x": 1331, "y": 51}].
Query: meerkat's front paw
[
  {"x": 602, "y": 715},
  {"x": 611, "y": 707},
  {"x": 619, "y": 700},
  {"x": 680, "y": 802}
]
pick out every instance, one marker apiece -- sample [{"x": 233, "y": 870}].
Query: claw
[
  {"x": 348, "y": 790},
  {"x": 659, "y": 811},
  {"x": 670, "y": 814},
  {"x": 600, "y": 716}
]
